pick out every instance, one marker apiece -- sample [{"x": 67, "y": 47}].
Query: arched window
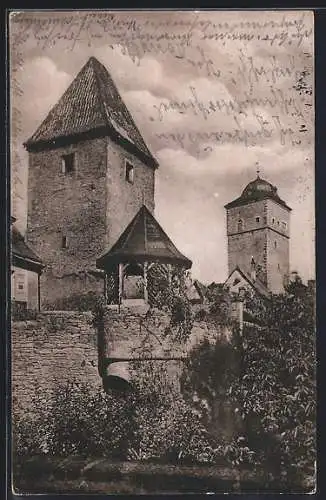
[{"x": 240, "y": 225}]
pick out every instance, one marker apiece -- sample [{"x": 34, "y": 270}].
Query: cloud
[
  {"x": 42, "y": 84},
  {"x": 196, "y": 180}
]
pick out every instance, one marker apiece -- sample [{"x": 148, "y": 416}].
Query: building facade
[
  {"x": 90, "y": 171},
  {"x": 26, "y": 269},
  {"x": 258, "y": 234}
]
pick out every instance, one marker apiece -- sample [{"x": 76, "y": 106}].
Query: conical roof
[
  {"x": 257, "y": 190},
  {"x": 143, "y": 239},
  {"x": 91, "y": 103}
]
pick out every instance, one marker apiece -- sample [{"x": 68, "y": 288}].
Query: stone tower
[
  {"x": 258, "y": 235},
  {"x": 90, "y": 171}
]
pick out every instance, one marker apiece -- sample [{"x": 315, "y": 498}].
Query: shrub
[{"x": 77, "y": 421}]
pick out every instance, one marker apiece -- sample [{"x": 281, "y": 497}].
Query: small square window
[
  {"x": 20, "y": 286},
  {"x": 129, "y": 172},
  {"x": 68, "y": 163},
  {"x": 64, "y": 242}
]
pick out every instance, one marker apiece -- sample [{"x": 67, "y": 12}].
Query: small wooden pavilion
[{"x": 142, "y": 245}]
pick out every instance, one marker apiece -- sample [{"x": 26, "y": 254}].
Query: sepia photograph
[{"x": 162, "y": 229}]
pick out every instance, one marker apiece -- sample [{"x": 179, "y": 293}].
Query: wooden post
[
  {"x": 145, "y": 283},
  {"x": 38, "y": 292},
  {"x": 169, "y": 274},
  {"x": 105, "y": 288},
  {"x": 120, "y": 284}
]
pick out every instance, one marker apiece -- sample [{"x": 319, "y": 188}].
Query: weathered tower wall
[{"x": 90, "y": 207}]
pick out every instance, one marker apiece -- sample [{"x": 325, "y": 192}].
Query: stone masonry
[
  {"x": 90, "y": 207},
  {"x": 61, "y": 347},
  {"x": 264, "y": 237}
]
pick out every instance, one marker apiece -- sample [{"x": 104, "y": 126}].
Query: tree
[
  {"x": 272, "y": 383},
  {"x": 275, "y": 392}
]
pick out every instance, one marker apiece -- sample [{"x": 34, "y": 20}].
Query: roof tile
[{"x": 91, "y": 102}]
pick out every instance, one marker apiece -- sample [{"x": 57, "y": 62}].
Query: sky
[{"x": 216, "y": 96}]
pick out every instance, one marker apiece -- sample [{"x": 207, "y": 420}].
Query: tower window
[
  {"x": 68, "y": 163},
  {"x": 129, "y": 172},
  {"x": 257, "y": 220},
  {"x": 64, "y": 242},
  {"x": 284, "y": 225},
  {"x": 275, "y": 244},
  {"x": 240, "y": 225},
  {"x": 273, "y": 220}
]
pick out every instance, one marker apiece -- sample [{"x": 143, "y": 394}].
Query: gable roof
[
  {"x": 257, "y": 285},
  {"x": 143, "y": 239},
  {"x": 91, "y": 103},
  {"x": 23, "y": 256}
]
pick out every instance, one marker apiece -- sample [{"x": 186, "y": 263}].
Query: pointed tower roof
[
  {"x": 91, "y": 106},
  {"x": 143, "y": 239}
]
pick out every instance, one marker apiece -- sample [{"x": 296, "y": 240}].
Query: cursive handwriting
[
  {"x": 239, "y": 134},
  {"x": 254, "y": 84},
  {"x": 198, "y": 107}
]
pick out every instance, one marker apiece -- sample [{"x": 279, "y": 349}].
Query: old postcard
[{"x": 162, "y": 251}]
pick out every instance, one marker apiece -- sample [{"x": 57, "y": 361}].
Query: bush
[
  {"x": 77, "y": 421},
  {"x": 144, "y": 424}
]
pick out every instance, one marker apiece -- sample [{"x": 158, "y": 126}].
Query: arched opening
[
  {"x": 117, "y": 377},
  {"x": 133, "y": 283}
]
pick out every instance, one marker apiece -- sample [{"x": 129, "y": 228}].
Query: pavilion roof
[{"x": 143, "y": 240}]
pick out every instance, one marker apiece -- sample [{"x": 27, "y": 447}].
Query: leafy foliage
[
  {"x": 170, "y": 294},
  {"x": 219, "y": 304},
  {"x": 276, "y": 390},
  {"x": 76, "y": 421},
  {"x": 268, "y": 375}
]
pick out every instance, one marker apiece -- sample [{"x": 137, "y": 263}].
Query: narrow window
[
  {"x": 278, "y": 222},
  {"x": 273, "y": 220},
  {"x": 278, "y": 267},
  {"x": 64, "y": 242},
  {"x": 257, "y": 220},
  {"x": 68, "y": 163},
  {"x": 275, "y": 244},
  {"x": 240, "y": 225},
  {"x": 129, "y": 172},
  {"x": 284, "y": 225}
]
